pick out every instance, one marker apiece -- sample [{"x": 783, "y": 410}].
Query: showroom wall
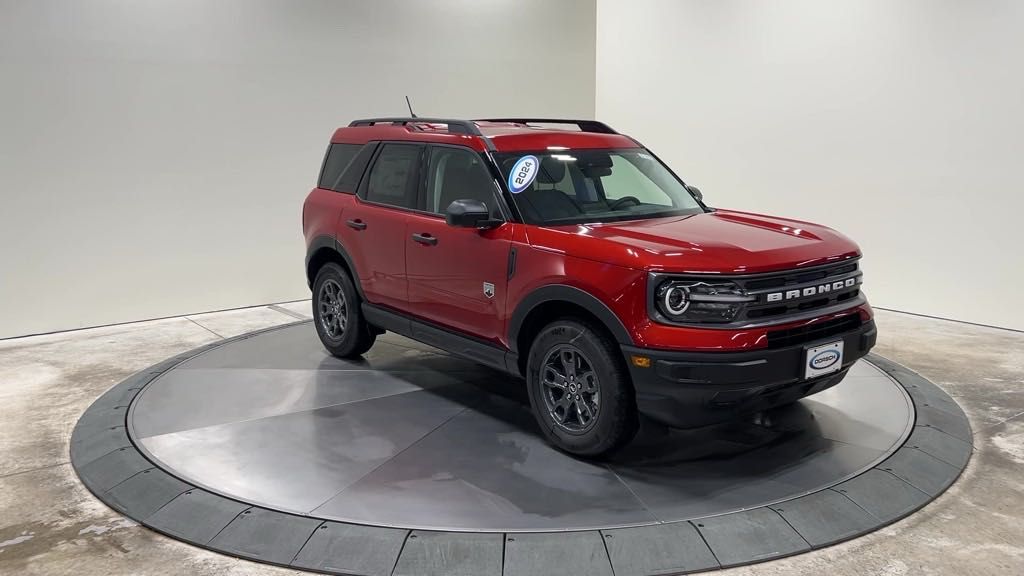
[
  {"x": 155, "y": 155},
  {"x": 898, "y": 123}
]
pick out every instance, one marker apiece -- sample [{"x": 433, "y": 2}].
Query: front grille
[
  {"x": 799, "y": 277},
  {"x": 812, "y": 332},
  {"x": 796, "y": 291},
  {"x": 765, "y": 299}
]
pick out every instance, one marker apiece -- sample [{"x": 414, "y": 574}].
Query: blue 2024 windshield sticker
[{"x": 522, "y": 174}]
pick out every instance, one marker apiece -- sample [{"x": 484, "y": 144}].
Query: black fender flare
[
  {"x": 330, "y": 243},
  {"x": 563, "y": 292}
]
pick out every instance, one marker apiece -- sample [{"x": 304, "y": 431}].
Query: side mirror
[
  {"x": 696, "y": 192},
  {"x": 469, "y": 214}
]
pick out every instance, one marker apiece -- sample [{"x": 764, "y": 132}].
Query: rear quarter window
[{"x": 339, "y": 156}]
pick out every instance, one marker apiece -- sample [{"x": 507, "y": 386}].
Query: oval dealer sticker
[{"x": 522, "y": 174}]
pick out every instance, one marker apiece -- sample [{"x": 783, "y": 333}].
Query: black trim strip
[
  {"x": 454, "y": 126},
  {"x": 562, "y": 292},
  {"x": 328, "y": 243},
  {"x": 511, "y": 263},
  {"x": 458, "y": 344},
  {"x": 584, "y": 125}
]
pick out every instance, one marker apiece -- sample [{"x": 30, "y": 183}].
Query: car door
[
  {"x": 457, "y": 276},
  {"x": 372, "y": 229}
]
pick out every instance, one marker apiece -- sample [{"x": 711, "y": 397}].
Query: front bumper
[{"x": 691, "y": 389}]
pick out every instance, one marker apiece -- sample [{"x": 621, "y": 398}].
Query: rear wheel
[
  {"x": 337, "y": 314},
  {"x": 580, "y": 390}
]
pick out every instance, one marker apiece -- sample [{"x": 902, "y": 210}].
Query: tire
[
  {"x": 613, "y": 417},
  {"x": 342, "y": 329}
]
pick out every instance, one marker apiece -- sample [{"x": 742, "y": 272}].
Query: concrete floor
[{"x": 50, "y": 524}]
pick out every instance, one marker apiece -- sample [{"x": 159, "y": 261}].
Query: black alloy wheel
[
  {"x": 337, "y": 313},
  {"x": 572, "y": 390},
  {"x": 580, "y": 390},
  {"x": 333, "y": 309}
]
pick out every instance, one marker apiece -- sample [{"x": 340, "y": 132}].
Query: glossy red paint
[
  {"x": 320, "y": 213},
  {"x": 446, "y": 280},
  {"x": 444, "y": 283},
  {"x": 514, "y": 140},
  {"x": 719, "y": 242},
  {"x": 380, "y": 259},
  {"x": 620, "y": 282}
]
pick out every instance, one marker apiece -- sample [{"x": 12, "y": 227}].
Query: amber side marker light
[{"x": 641, "y": 361}]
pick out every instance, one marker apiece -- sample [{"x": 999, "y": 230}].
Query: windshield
[{"x": 557, "y": 187}]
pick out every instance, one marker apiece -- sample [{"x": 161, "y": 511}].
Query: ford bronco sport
[{"x": 567, "y": 253}]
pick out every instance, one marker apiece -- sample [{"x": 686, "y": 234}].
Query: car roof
[{"x": 511, "y": 135}]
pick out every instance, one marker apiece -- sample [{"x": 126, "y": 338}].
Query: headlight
[
  {"x": 689, "y": 300},
  {"x": 675, "y": 299}
]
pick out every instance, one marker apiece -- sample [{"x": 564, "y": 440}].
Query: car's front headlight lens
[
  {"x": 688, "y": 300},
  {"x": 675, "y": 299}
]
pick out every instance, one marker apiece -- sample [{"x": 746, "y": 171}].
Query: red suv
[{"x": 569, "y": 254}]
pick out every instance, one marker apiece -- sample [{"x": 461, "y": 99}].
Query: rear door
[
  {"x": 324, "y": 205},
  {"x": 372, "y": 229},
  {"x": 457, "y": 276}
]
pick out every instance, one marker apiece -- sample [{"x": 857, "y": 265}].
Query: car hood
[{"x": 721, "y": 242}]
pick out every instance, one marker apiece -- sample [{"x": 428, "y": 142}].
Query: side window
[
  {"x": 457, "y": 174},
  {"x": 338, "y": 158},
  {"x": 392, "y": 174}
]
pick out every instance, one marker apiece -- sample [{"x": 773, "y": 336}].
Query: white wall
[
  {"x": 154, "y": 155},
  {"x": 898, "y": 123}
]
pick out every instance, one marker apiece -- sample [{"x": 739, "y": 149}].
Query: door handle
[
  {"x": 356, "y": 224},
  {"x": 425, "y": 239}
]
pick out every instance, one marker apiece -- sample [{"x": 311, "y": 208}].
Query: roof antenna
[{"x": 407, "y": 103}]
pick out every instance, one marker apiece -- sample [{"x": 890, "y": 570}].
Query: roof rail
[
  {"x": 454, "y": 126},
  {"x": 583, "y": 125}
]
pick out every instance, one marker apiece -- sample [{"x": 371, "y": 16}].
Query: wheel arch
[
  {"x": 539, "y": 307},
  {"x": 325, "y": 249}
]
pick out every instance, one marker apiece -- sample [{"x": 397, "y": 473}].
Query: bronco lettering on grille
[{"x": 810, "y": 290}]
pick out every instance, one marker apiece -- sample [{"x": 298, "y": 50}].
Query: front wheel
[
  {"x": 580, "y": 390},
  {"x": 337, "y": 314}
]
